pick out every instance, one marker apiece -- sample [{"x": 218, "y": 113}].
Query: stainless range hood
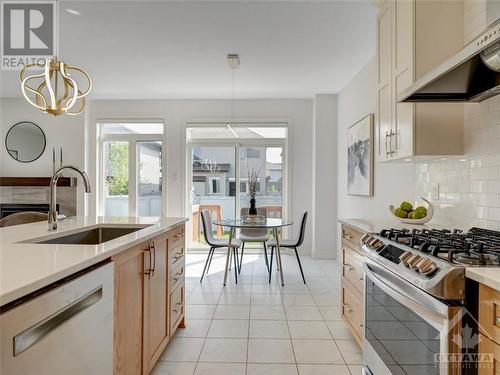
[{"x": 471, "y": 75}]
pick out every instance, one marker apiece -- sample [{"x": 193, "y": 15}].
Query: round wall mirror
[{"x": 25, "y": 142}]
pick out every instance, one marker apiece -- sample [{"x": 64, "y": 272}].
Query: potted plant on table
[{"x": 253, "y": 177}]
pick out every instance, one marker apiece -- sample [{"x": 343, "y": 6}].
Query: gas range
[
  {"x": 416, "y": 305},
  {"x": 434, "y": 260}
]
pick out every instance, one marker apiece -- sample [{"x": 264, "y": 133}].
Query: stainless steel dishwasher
[{"x": 65, "y": 330}]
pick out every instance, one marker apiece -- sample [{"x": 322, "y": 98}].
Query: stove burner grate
[{"x": 478, "y": 246}]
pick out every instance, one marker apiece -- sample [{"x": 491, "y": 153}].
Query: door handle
[{"x": 32, "y": 335}]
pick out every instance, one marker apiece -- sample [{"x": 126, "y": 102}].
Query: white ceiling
[{"x": 166, "y": 49}]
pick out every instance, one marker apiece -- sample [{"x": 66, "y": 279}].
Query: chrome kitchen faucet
[{"x": 53, "y": 187}]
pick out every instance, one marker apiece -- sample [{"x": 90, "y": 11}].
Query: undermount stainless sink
[{"x": 93, "y": 236}]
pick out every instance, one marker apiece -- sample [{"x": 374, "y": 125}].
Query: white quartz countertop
[
  {"x": 374, "y": 225},
  {"x": 488, "y": 276},
  {"x": 26, "y": 267}
]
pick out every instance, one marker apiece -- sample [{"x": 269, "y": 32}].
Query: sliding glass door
[
  {"x": 267, "y": 164},
  {"x": 213, "y": 171},
  {"x": 221, "y": 157}
]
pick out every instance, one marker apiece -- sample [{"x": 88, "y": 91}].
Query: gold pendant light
[{"x": 55, "y": 90}]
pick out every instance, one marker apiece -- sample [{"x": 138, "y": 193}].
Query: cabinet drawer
[
  {"x": 176, "y": 275},
  {"x": 352, "y": 310},
  {"x": 489, "y": 312},
  {"x": 176, "y": 308},
  {"x": 491, "y": 352},
  {"x": 352, "y": 268},
  {"x": 176, "y": 237},
  {"x": 351, "y": 235},
  {"x": 176, "y": 256}
]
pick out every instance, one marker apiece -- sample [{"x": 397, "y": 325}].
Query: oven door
[{"x": 407, "y": 331}]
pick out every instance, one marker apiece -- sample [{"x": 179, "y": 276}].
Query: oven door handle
[{"x": 433, "y": 309}]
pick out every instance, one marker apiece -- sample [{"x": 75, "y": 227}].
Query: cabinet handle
[
  {"x": 348, "y": 308},
  {"x": 150, "y": 268},
  {"x": 391, "y": 134},
  {"x": 347, "y": 236},
  {"x": 348, "y": 267},
  {"x": 177, "y": 276},
  {"x": 154, "y": 258},
  {"x": 387, "y": 138},
  {"x": 179, "y": 236},
  {"x": 32, "y": 335},
  {"x": 177, "y": 305},
  {"x": 178, "y": 255}
]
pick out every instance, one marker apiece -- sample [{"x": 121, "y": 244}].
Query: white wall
[
  {"x": 393, "y": 182},
  {"x": 298, "y": 113},
  {"x": 65, "y": 131},
  {"x": 324, "y": 212}
]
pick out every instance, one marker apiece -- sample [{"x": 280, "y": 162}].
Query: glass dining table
[{"x": 272, "y": 224}]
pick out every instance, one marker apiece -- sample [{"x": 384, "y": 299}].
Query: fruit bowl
[{"x": 425, "y": 219}]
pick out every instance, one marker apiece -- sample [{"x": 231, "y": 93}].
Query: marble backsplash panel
[{"x": 66, "y": 196}]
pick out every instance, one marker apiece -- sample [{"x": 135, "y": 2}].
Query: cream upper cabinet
[
  {"x": 384, "y": 89},
  {"x": 414, "y": 36}
]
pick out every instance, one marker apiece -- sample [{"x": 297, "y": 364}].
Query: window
[
  {"x": 252, "y": 153},
  {"x": 214, "y": 185},
  {"x": 131, "y": 161}
]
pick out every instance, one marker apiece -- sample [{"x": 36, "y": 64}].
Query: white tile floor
[{"x": 256, "y": 328}]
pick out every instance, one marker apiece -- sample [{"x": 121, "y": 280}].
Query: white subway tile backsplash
[
  {"x": 494, "y": 214},
  {"x": 489, "y": 200},
  {"x": 469, "y": 185},
  {"x": 493, "y": 187}
]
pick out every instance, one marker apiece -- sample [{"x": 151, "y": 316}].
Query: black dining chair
[
  {"x": 290, "y": 244},
  {"x": 216, "y": 243}
]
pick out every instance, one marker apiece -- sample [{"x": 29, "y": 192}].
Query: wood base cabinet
[
  {"x": 149, "y": 301},
  {"x": 490, "y": 357},
  {"x": 352, "y": 282},
  {"x": 489, "y": 328}
]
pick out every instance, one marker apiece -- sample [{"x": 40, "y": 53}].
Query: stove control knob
[
  {"x": 413, "y": 261},
  {"x": 377, "y": 245},
  {"x": 427, "y": 268},
  {"x": 365, "y": 237},
  {"x": 405, "y": 257}
]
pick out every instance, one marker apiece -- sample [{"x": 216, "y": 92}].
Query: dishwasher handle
[{"x": 32, "y": 335}]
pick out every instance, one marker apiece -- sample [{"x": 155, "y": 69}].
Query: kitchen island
[{"x": 117, "y": 284}]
